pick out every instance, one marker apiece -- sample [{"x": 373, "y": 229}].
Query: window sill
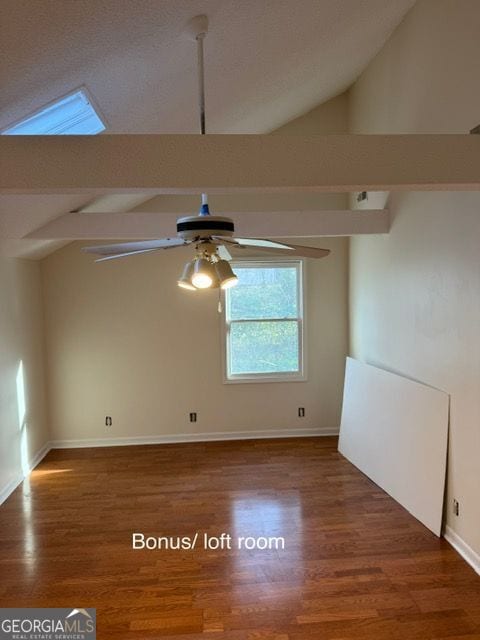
[{"x": 263, "y": 378}]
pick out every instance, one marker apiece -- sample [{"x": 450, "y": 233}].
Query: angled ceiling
[{"x": 266, "y": 63}]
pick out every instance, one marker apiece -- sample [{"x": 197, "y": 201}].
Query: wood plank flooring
[{"x": 355, "y": 564}]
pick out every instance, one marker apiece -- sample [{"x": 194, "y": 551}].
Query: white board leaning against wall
[{"x": 396, "y": 432}]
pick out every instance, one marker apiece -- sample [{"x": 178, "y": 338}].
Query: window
[
  {"x": 264, "y": 322},
  {"x": 71, "y": 115}
]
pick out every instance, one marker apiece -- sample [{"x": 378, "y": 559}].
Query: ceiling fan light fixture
[
  {"x": 213, "y": 236},
  {"x": 204, "y": 276},
  {"x": 225, "y": 274},
  {"x": 185, "y": 281},
  {"x": 231, "y": 282}
]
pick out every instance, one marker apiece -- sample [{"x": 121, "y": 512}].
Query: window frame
[
  {"x": 81, "y": 89},
  {"x": 269, "y": 377}
]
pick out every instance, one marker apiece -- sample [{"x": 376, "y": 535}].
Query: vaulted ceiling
[{"x": 267, "y": 62}]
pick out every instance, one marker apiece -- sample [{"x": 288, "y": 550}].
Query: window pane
[
  {"x": 263, "y": 347},
  {"x": 70, "y": 115},
  {"x": 263, "y": 292}
]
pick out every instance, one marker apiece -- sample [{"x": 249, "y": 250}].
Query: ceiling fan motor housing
[{"x": 191, "y": 227}]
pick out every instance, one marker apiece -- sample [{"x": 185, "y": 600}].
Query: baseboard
[
  {"x": 39, "y": 456},
  {"x": 467, "y": 553},
  {"x": 10, "y": 487},
  {"x": 194, "y": 437}
]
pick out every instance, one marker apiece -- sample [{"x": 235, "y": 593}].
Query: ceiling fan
[{"x": 213, "y": 236}]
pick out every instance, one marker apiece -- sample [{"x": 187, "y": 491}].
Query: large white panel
[{"x": 396, "y": 432}]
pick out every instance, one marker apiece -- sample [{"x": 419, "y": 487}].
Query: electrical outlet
[
  {"x": 362, "y": 196},
  {"x": 456, "y": 507},
  {"x": 301, "y": 412},
  {"x": 108, "y": 421},
  {"x": 193, "y": 416}
]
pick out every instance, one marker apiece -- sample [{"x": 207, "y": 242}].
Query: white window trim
[
  {"x": 51, "y": 103},
  {"x": 249, "y": 378}
]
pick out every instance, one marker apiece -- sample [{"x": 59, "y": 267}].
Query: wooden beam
[
  {"x": 233, "y": 163},
  {"x": 278, "y": 224}
]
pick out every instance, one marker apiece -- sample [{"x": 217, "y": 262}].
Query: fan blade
[
  {"x": 124, "y": 255},
  {"x": 133, "y": 247},
  {"x": 223, "y": 252},
  {"x": 223, "y": 240},
  {"x": 261, "y": 242},
  {"x": 280, "y": 248}
]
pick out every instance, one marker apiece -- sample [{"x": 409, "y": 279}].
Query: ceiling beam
[
  {"x": 276, "y": 224},
  {"x": 232, "y": 163}
]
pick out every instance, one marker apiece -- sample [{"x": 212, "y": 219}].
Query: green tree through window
[{"x": 264, "y": 321}]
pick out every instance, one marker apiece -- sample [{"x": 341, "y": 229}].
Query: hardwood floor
[{"x": 355, "y": 564}]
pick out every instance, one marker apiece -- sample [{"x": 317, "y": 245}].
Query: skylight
[{"x": 73, "y": 114}]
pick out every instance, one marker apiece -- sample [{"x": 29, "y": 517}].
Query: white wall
[
  {"x": 415, "y": 294},
  {"x": 124, "y": 340},
  {"x": 23, "y": 424}
]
